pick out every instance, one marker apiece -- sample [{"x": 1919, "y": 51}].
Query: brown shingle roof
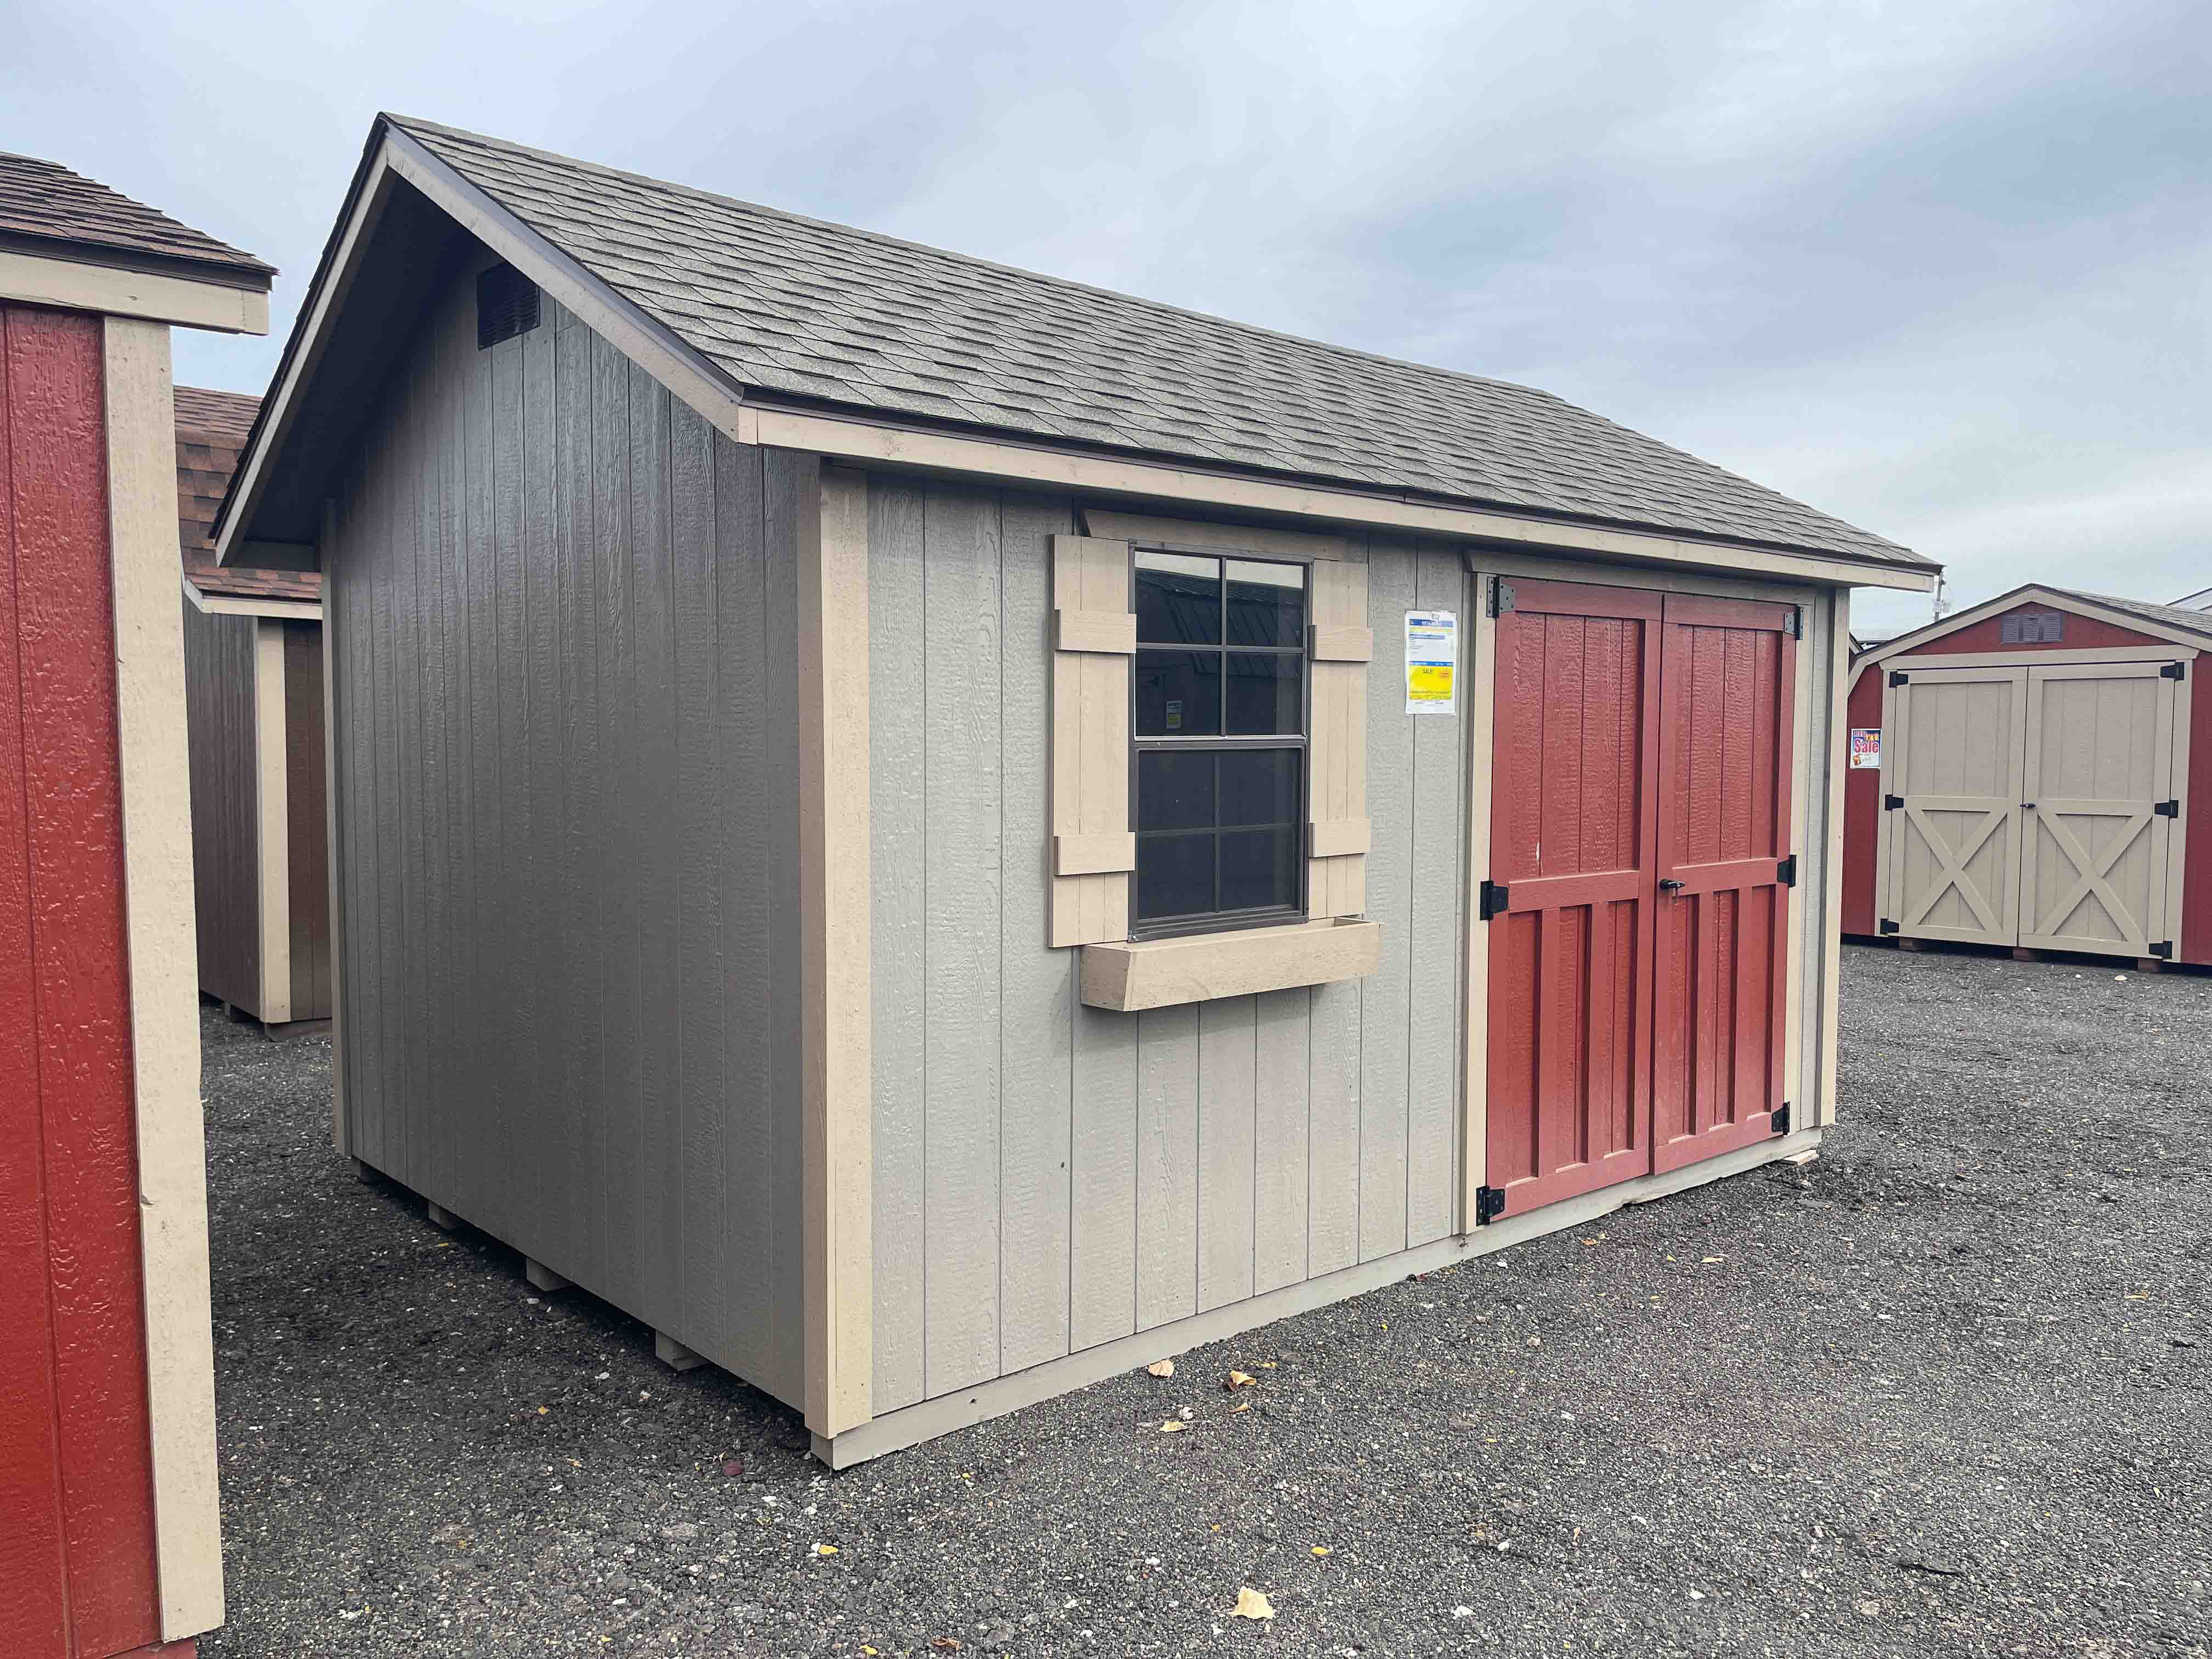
[
  {"x": 44, "y": 202},
  {"x": 787, "y": 304},
  {"x": 211, "y": 428}
]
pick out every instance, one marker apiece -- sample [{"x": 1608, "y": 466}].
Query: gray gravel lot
[{"x": 1942, "y": 1392}]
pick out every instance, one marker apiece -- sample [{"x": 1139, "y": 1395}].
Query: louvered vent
[
  {"x": 2033, "y": 628},
  {"x": 507, "y": 305}
]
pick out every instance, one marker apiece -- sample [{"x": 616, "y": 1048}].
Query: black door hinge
[
  {"x": 1501, "y": 596},
  {"x": 2167, "y": 809},
  {"x": 1489, "y": 1204},
  {"x": 1778, "y": 1120},
  {"x": 1490, "y": 902},
  {"x": 1785, "y": 870},
  {"x": 1892, "y": 803},
  {"x": 1898, "y": 678},
  {"x": 1793, "y": 622},
  {"x": 1887, "y": 925},
  {"x": 2164, "y": 948},
  {"x": 2173, "y": 670}
]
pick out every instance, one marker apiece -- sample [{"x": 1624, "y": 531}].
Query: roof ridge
[{"x": 1122, "y": 296}]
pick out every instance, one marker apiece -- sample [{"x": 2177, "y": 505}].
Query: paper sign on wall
[
  {"x": 1431, "y": 662},
  {"x": 1865, "y": 749}
]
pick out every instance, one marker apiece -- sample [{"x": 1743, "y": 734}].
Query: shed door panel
[
  {"x": 1955, "y": 839},
  {"x": 2098, "y": 759},
  {"x": 1573, "y": 841},
  {"x": 1722, "y": 915}
]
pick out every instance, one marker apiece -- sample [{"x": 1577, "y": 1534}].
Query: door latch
[{"x": 1668, "y": 885}]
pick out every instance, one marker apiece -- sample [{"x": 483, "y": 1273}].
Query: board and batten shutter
[
  {"x": 1336, "y": 743},
  {"x": 1094, "y": 640}
]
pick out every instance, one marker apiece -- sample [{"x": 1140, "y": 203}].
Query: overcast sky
[{"x": 1944, "y": 270}]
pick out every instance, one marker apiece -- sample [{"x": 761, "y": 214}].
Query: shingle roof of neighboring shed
[
  {"x": 43, "y": 202},
  {"x": 211, "y": 428},
  {"x": 2173, "y": 615},
  {"x": 789, "y": 305}
]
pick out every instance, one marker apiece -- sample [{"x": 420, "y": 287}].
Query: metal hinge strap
[
  {"x": 1778, "y": 1120},
  {"x": 1489, "y": 1204},
  {"x": 2167, "y": 809},
  {"x": 1893, "y": 802},
  {"x": 2164, "y": 948},
  {"x": 1785, "y": 870},
  {"x": 1501, "y": 596},
  {"x": 2173, "y": 670},
  {"x": 1887, "y": 925},
  {"x": 1491, "y": 900},
  {"x": 1898, "y": 678}
]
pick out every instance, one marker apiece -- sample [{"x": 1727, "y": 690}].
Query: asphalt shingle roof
[
  {"x": 789, "y": 305},
  {"x": 46, "y": 201},
  {"x": 211, "y": 428},
  {"x": 2173, "y": 615}
]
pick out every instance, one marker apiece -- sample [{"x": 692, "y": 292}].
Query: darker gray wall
[
  {"x": 226, "y": 832},
  {"x": 1049, "y": 1176},
  {"x": 564, "y": 614}
]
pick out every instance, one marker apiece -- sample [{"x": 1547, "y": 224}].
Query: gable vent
[
  {"x": 507, "y": 305},
  {"x": 2033, "y": 628}
]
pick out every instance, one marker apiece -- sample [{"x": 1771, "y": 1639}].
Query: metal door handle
[
  {"x": 2027, "y": 806},
  {"x": 1668, "y": 885}
]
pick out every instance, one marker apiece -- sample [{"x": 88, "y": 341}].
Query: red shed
[
  {"x": 110, "y": 1539},
  {"x": 2036, "y": 771}
]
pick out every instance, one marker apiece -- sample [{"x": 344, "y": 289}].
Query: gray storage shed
[{"x": 933, "y": 833}]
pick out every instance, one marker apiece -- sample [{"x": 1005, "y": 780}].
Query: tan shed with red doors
[
  {"x": 2036, "y": 771},
  {"x": 933, "y": 833}
]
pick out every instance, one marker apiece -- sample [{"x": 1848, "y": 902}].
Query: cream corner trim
[
  {"x": 837, "y": 1075},
  {"x": 1163, "y": 972},
  {"x": 155, "y": 299},
  {"x": 157, "y": 874},
  {"x": 273, "y": 822}
]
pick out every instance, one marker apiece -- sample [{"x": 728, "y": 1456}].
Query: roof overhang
[
  {"x": 233, "y": 604},
  {"x": 386, "y": 257},
  {"x": 56, "y": 276},
  {"x": 2080, "y": 604}
]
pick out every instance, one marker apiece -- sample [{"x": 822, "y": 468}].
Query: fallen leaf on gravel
[
  {"x": 1241, "y": 1406},
  {"x": 1321, "y": 1549},
  {"x": 1163, "y": 1368},
  {"x": 1266, "y": 1365},
  {"x": 733, "y": 1468},
  {"x": 825, "y": 1549},
  {"x": 945, "y": 1644},
  {"x": 1174, "y": 1425},
  {"x": 1238, "y": 1380},
  {"x": 1250, "y": 1604},
  {"x": 1709, "y": 1260}
]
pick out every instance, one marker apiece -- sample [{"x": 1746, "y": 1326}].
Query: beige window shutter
[
  {"x": 1094, "y": 639},
  {"x": 1336, "y": 872}
]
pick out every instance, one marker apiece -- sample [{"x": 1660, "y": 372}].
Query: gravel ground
[{"x": 1942, "y": 1392}]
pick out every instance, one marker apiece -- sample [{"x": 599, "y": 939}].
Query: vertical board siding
[
  {"x": 1050, "y": 1176},
  {"x": 567, "y": 768},
  {"x": 226, "y": 828},
  {"x": 307, "y": 823}
]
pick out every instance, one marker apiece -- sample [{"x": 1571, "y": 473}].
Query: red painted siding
[
  {"x": 77, "y": 1542},
  {"x": 1862, "y": 813}
]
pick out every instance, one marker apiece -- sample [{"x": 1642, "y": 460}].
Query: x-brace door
[{"x": 1952, "y": 806}]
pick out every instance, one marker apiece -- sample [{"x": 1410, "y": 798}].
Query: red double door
[{"x": 1639, "y": 827}]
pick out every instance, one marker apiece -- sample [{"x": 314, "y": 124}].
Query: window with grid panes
[{"x": 1219, "y": 729}]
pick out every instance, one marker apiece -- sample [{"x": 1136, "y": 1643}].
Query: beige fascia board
[
  {"x": 1128, "y": 975},
  {"x": 163, "y": 971},
  {"x": 273, "y": 823},
  {"x": 945, "y": 452},
  {"x": 226, "y": 605},
  {"x": 148, "y": 296},
  {"x": 837, "y": 1078}
]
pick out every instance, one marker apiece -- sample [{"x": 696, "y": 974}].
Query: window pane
[
  {"x": 1267, "y": 603},
  {"x": 1258, "y": 868},
  {"x": 1178, "y": 692},
  {"x": 1259, "y": 786},
  {"x": 1174, "y": 791},
  {"x": 1178, "y": 599},
  {"x": 1267, "y": 693},
  {"x": 1175, "y": 876}
]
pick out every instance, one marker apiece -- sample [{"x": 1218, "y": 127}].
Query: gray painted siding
[
  {"x": 225, "y": 794},
  {"x": 1050, "y": 1176},
  {"x": 564, "y": 614}
]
